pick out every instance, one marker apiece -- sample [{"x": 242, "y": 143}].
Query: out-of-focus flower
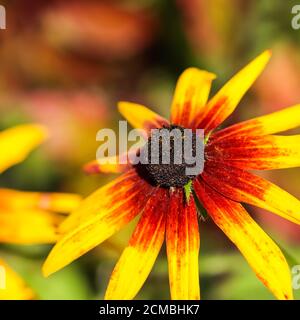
[
  {"x": 27, "y": 217},
  {"x": 33, "y": 217},
  {"x": 41, "y": 63},
  {"x": 16, "y": 143},
  {"x": 16, "y": 288},
  {"x": 163, "y": 192},
  {"x": 280, "y": 83},
  {"x": 209, "y": 25},
  {"x": 72, "y": 116},
  {"x": 71, "y": 42},
  {"x": 102, "y": 29}
]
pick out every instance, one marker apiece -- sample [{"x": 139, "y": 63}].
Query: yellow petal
[
  {"x": 99, "y": 217},
  {"x": 29, "y": 226},
  {"x": 141, "y": 117},
  {"x": 139, "y": 256},
  {"x": 17, "y": 142},
  {"x": 20, "y": 200},
  {"x": 262, "y": 254},
  {"x": 12, "y": 286},
  {"x": 221, "y": 106},
  {"x": 190, "y": 96},
  {"x": 113, "y": 166},
  {"x": 182, "y": 237},
  {"x": 279, "y": 121}
]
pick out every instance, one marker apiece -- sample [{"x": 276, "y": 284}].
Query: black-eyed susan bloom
[
  {"x": 167, "y": 213},
  {"x": 26, "y": 217}
]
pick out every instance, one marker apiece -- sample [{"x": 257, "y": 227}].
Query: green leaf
[{"x": 188, "y": 190}]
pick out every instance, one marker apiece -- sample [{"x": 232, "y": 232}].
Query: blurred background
[{"x": 65, "y": 64}]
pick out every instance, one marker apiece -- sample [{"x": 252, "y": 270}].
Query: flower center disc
[{"x": 171, "y": 174}]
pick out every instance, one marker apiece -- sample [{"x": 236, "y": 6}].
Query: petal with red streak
[
  {"x": 256, "y": 153},
  {"x": 221, "y": 106},
  {"x": 242, "y": 186},
  {"x": 139, "y": 256},
  {"x": 190, "y": 96},
  {"x": 279, "y": 121},
  {"x": 98, "y": 217},
  {"x": 141, "y": 117},
  {"x": 262, "y": 254},
  {"x": 183, "y": 243}
]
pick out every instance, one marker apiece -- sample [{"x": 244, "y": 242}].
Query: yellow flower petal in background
[
  {"x": 115, "y": 164},
  {"x": 139, "y": 256},
  {"x": 262, "y": 254},
  {"x": 95, "y": 167},
  {"x": 190, "y": 96},
  {"x": 29, "y": 226},
  {"x": 21, "y": 200},
  {"x": 183, "y": 243},
  {"x": 226, "y": 100},
  {"x": 141, "y": 117},
  {"x": 17, "y": 142},
  {"x": 12, "y": 286},
  {"x": 279, "y": 121}
]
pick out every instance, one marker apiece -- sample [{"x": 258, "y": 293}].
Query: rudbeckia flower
[
  {"x": 26, "y": 217},
  {"x": 166, "y": 211}
]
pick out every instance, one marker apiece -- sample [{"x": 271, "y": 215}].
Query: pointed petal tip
[
  {"x": 123, "y": 105},
  {"x": 141, "y": 117},
  {"x": 45, "y": 271},
  {"x": 38, "y": 129},
  {"x": 190, "y": 96},
  {"x": 34, "y": 131},
  {"x": 42, "y": 128},
  {"x": 264, "y": 57},
  {"x": 24, "y": 138},
  {"x": 267, "y": 51},
  {"x": 225, "y": 101},
  {"x": 195, "y": 70},
  {"x": 49, "y": 267},
  {"x": 114, "y": 164}
]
